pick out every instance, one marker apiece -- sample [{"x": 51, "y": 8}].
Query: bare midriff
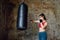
[{"x": 41, "y": 30}]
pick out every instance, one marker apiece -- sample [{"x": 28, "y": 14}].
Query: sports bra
[{"x": 39, "y": 25}]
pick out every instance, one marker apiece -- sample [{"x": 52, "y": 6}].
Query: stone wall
[{"x": 9, "y": 17}]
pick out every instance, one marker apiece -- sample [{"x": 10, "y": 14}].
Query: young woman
[{"x": 42, "y": 24}]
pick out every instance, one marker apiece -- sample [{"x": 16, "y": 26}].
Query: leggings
[{"x": 42, "y": 35}]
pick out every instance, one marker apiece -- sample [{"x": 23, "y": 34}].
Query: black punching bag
[{"x": 22, "y": 17}]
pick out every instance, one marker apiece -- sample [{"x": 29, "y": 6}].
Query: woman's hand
[{"x": 32, "y": 20}]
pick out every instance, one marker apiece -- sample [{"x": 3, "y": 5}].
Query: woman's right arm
[{"x": 36, "y": 21}]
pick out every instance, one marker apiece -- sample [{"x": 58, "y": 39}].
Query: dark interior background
[{"x": 8, "y": 18}]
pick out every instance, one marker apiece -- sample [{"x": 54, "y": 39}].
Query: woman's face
[{"x": 41, "y": 17}]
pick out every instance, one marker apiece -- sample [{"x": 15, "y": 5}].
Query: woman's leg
[
  {"x": 42, "y": 36},
  {"x": 39, "y": 36}
]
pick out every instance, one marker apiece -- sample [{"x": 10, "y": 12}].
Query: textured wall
[
  {"x": 3, "y": 32},
  {"x": 10, "y": 8}
]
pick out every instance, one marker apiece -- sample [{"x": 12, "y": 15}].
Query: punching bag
[{"x": 22, "y": 16}]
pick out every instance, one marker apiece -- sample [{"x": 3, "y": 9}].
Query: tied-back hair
[{"x": 42, "y": 14}]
